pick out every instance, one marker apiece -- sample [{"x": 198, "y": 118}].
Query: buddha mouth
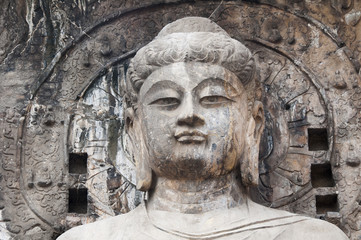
[{"x": 193, "y": 136}]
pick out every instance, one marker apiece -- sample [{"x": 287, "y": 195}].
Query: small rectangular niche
[
  {"x": 78, "y": 200},
  {"x": 326, "y": 203},
  {"x": 317, "y": 139},
  {"x": 78, "y": 163},
  {"x": 321, "y": 175}
]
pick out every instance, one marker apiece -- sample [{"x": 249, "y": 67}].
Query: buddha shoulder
[
  {"x": 312, "y": 229},
  {"x": 110, "y": 228},
  {"x": 284, "y": 225}
]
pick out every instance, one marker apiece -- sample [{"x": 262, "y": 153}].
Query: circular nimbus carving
[
  {"x": 293, "y": 107},
  {"x": 76, "y": 113}
]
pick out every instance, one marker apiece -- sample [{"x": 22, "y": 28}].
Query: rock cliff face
[{"x": 63, "y": 65}]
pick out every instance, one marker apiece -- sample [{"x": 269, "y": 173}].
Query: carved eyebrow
[
  {"x": 160, "y": 85},
  {"x": 214, "y": 81}
]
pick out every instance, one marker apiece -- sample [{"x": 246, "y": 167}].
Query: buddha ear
[
  {"x": 258, "y": 116},
  {"x": 138, "y": 150},
  {"x": 249, "y": 162}
]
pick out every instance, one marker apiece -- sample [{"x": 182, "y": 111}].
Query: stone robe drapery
[{"x": 251, "y": 222}]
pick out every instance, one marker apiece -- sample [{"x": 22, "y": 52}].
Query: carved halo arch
[{"x": 292, "y": 84}]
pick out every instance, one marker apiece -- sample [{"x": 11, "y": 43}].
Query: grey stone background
[{"x": 63, "y": 63}]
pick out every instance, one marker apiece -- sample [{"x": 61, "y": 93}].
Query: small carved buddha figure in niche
[{"x": 195, "y": 123}]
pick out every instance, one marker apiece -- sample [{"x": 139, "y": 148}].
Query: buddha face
[{"x": 193, "y": 118}]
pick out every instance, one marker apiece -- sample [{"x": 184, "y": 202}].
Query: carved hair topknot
[{"x": 192, "y": 39}]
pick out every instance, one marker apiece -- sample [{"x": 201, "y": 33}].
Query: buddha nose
[{"x": 189, "y": 115}]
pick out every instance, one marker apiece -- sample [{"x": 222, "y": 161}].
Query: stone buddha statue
[{"x": 195, "y": 121}]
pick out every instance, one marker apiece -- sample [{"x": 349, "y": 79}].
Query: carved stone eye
[
  {"x": 214, "y": 100},
  {"x": 166, "y": 102}
]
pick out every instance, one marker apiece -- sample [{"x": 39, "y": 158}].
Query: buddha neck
[{"x": 196, "y": 196}]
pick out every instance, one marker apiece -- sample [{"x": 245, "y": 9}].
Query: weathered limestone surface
[
  {"x": 195, "y": 120},
  {"x": 63, "y": 67}
]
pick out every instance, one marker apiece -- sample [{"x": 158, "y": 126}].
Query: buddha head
[{"x": 192, "y": 105}]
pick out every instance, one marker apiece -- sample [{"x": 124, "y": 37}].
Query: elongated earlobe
[
  {"x": 249, "y": 161},
  {"x": 143, "y": 171},
  {"x": 138, "y": 151}
]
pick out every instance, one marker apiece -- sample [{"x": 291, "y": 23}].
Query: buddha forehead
[
  {"x": 190, "y": 76},
  {"x": 189, "y": 40}
]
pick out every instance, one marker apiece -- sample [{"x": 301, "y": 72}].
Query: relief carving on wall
[{"x": 310, "y": 147}]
